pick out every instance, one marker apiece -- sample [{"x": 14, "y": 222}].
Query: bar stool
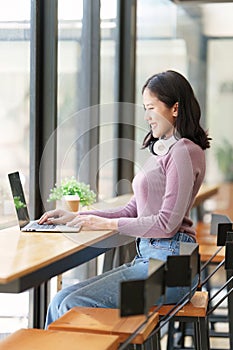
[
  {"x": 132, "y": 322},
  {"x": 181, "y": 270},
  {"x": 38, "y": 339},
  {"x": 200, "y": 310},
  {"x": 194, "y": 312},
  {"x": 137, "y": 298},
  {"x": 107, "y": 321}
]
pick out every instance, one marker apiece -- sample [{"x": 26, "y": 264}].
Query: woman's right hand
[{"x": 57, "y": 216}]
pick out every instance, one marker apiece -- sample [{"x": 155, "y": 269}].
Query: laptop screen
[{"x": 19, "y": 199}]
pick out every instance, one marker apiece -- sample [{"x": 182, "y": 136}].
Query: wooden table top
[
  {"x": 205, "y": 192},
  {"x": 22, "y": 253}
]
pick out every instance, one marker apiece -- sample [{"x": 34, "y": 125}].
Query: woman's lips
[{"x": 153, "y": 125}]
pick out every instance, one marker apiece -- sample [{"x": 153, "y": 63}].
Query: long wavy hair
[{"x": 171, "y": 87}]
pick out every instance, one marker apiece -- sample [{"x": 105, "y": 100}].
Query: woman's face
[{"x": 160, "y": 118}]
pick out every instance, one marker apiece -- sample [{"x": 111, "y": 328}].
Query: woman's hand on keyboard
[
  {"x": 93, "y": 222},
  {"x": 57, "y": 216}
]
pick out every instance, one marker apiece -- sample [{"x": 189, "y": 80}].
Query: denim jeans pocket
[
  {"x": 171, "y": 244},
  {"x": 160, "y": 248},
  {"x": 165, "y": 244},
  {"x": 186, "y": 238}
]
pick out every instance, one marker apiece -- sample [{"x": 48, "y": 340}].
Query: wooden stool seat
[
  {"x": 208, "y": 239},
  {"x": 105, "y": 321},
  {"x": 203, "y": 234},
  {"x": 38, "y": 339},
  {"x": 206, "y": 251},
  {"x": 197, "y": 306}
]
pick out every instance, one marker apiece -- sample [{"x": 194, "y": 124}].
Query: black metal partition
[
  {"x": 138, "y": 296},
  {"x": 226, "y": 233},
  {"x": 182, "y": 269},
  {"x": 224, "y": 238}
]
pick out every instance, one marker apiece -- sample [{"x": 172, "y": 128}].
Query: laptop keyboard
[{"x": 35, "y": 225}]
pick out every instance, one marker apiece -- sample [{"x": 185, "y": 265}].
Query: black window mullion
[
  {"x": 125, "y": 93},
  {"x": 43, "y": 102},
  {"x": 43, "y": 123}
]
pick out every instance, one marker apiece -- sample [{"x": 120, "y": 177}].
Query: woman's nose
[{"x": 147, "y": 115}]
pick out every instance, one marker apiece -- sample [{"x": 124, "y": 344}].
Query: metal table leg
[{"x": 38, "y": 304}]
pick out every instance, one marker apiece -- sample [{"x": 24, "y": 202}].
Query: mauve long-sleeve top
[{"x": 163, "y": 193}]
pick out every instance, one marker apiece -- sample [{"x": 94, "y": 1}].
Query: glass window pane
[
  {"x": 14, "y": 133},
  {"x": 158, "y": 48},
  {"x": 70, "y": 15},
  {"x": 195, "y": 39},
  {"x": 107, "y": 72},
  {"x": 219, "y": 86},
  {"x": 15, "y": 92}
]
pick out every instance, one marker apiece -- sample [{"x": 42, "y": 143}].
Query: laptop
[{"x": 25, "y": 224}]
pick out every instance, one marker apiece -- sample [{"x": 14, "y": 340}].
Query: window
[
  {"x": 70, "y": 14},
  {"x": 158, "y": 49},
  {"x": 107, "y": 96},
  {"x": 14, "y": 132},
  {"x": 14, "y": 86}
]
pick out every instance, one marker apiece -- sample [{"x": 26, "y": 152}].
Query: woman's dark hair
[{"x": 171, "y": 87}]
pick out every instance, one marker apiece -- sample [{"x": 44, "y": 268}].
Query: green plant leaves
[
  {"x": 224, "y": 155},
  {"x": 70, "y": 186}
]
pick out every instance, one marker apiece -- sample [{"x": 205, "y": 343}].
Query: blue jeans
[{"x": 103, "y": 290}]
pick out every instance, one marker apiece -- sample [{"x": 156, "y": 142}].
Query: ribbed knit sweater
[{"x": 163, "y": 193}]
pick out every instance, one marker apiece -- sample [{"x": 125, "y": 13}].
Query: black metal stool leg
[
  {"x": 196, "y": 337},
  {"x": 154, "y": 342},
  {"x": 182, "y": 330},
  {"x": 203, "y": 335},
  {"x": 170, "y": 335}
]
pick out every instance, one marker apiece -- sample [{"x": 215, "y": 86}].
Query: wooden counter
[{"x": 29, "y": 260}]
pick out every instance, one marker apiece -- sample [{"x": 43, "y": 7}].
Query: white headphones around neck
[{"x": 161, "y": 147}]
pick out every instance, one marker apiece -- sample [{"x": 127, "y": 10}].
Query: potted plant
[
  {"x": 224, "y": 155},
  {"x": 72, "y": 193}
]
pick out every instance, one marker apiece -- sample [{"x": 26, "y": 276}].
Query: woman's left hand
[{"x": 93, "y": 222}]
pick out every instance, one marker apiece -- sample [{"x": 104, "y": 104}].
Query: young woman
[{"x": 164, "y": 191}]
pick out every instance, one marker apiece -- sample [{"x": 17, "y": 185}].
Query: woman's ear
[{"x": 175, "y": 109}]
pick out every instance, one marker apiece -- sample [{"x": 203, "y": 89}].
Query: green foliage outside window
[{"x": 224, "y": 155}]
